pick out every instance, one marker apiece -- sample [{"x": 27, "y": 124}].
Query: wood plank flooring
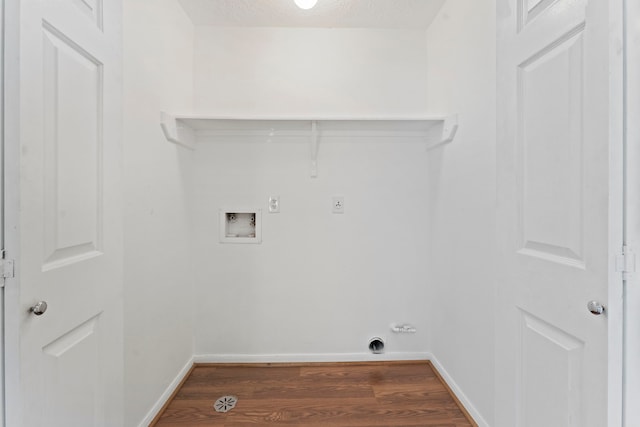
[{"x": 390, "y": 394}]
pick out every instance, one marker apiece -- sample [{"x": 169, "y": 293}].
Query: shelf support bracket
[
  {"x": 175, "y": 132},
  {"x": 314, "y": 149},
  {"x": 449, "y": 129}
]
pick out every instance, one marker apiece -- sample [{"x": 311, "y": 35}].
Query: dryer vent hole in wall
[{"x": 376, "y": 345}]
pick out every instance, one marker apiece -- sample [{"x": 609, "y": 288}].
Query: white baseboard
[
  {"x": 155, "y": 409},
  {"x": 308, "y": 358},
  {"x": 459, "y": 393}
]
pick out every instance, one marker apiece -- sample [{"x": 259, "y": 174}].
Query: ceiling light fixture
[{"x": 306, "y": 4}]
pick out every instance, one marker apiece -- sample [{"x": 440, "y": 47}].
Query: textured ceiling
[{"x": 327, "y": 13}]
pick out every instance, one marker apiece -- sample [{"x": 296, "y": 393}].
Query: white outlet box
[
  {"x": 274, "y": 204},
  {"x": 337, "y": 204},
  {"x": 240, "y": 226}
]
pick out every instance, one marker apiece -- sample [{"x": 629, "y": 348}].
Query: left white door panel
[{"x": 69, "y": 222}]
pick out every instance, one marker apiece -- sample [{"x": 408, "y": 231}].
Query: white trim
[
  {"x": 173, "y": 386},
  {"x": 2, "y": 241},
  {"x": 11, "y": 201},
  {"x": 455, "y": 388},
  {"x": 621, "y": 154},
  {"x": 309, "y": 358},
  {"x": 627, "y": 299}
]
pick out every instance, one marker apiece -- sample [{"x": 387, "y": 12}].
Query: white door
[
  {"x": 69, "y": 253},
  {"x": 559, "y": 213}
]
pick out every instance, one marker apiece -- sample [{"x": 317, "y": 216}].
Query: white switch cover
[
  {"x": 274, "y": 204},
  {"x": 338, "y": 205}
]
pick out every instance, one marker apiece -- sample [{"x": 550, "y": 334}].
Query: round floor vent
[{"x": 225, "y": 403}]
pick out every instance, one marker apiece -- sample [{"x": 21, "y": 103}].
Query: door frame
[
  {"x": 631, "y": 297},
  {"x": 10, "y": 207},
  {"x": 615, "y": 304},
  {"x": 2, "y": 385}
]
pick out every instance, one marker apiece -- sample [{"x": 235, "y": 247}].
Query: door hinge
[
  {"x": 626, "y": 262},
  {"x": 7, "y": 270}
]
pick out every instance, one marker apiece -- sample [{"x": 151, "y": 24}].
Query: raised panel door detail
[
  {"x": 550, "y": 369},
  {"x": 550, "y": 151},
  {"x": 92, "y": 9},
  {"x": 528, "y": 10},
  {"x": 72, "y": 368},
  {"x": 73, "y": 151}
]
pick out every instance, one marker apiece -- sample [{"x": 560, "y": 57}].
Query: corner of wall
[
  {"x": 158, "y": 75},
  {"x": 462, "y": 192}
]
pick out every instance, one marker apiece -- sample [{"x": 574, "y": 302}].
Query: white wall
[
  {"x": 158, "y": 70},
  {"x": 317, "y": 71},
  {"x": 461, "y": 77},
  {"x": 320, "y": 285}
]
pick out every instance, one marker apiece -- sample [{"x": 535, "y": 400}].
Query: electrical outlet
[
  {"x": 338, "y": 205},
  {"x": 274, "y": 204}
]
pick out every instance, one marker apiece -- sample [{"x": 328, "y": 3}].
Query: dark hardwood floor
[{"x": 343, "y": 394}]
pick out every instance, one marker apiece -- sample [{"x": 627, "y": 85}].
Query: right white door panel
[{"x": 555, "y": 209}]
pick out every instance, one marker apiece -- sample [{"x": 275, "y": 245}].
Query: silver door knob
[
  {"x": 39, "y": 308},
  {"x": 595, "y": 308}
]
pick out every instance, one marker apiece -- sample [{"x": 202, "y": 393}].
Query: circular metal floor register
[{"x": 225, "y": 403}]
